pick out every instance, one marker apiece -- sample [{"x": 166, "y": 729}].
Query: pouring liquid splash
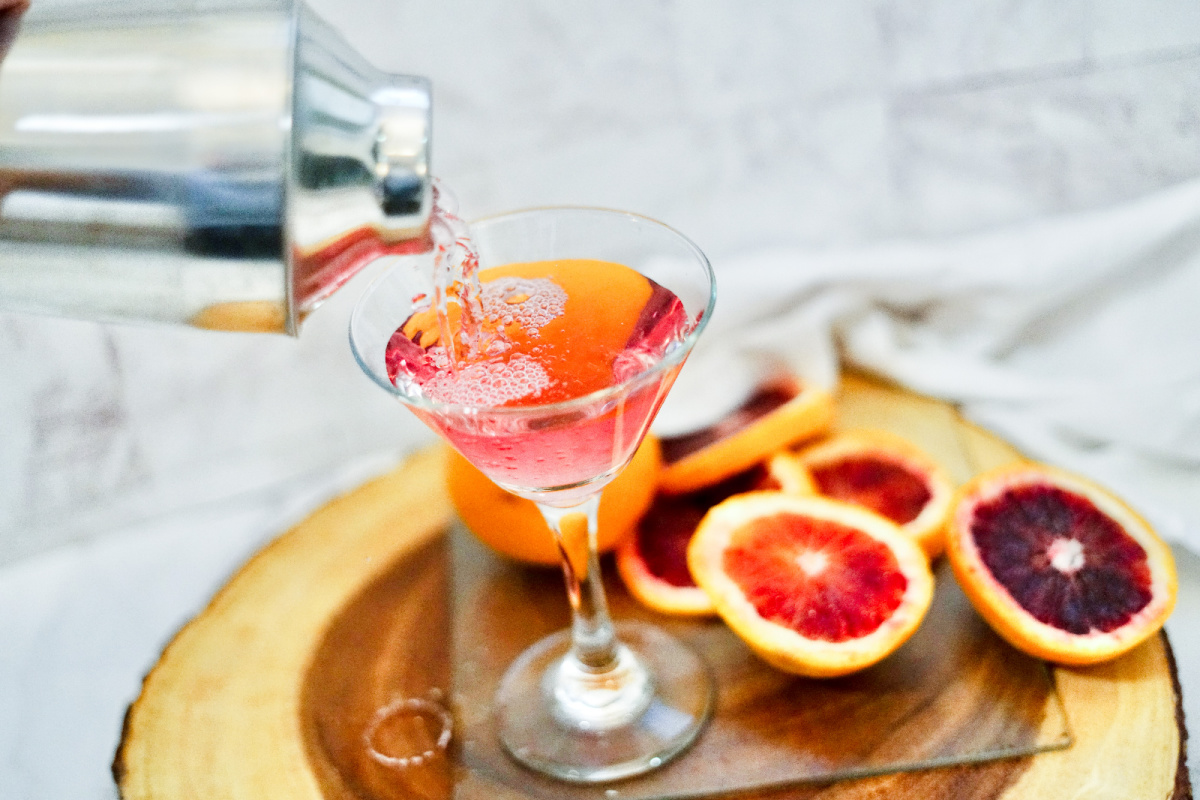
[
  {"x": 531, "y": 333},
  {"x": 455, "y": 279}
]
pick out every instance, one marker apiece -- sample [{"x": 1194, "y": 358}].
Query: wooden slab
[
  {"x": 954, "y": 693},
  {"x": 267, "y": 692}
]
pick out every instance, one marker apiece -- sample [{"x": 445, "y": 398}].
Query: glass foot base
[{"x": 590, "y": 734}]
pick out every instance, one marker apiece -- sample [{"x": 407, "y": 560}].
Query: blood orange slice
[
  {"x": 890, "y": 476},
  {"x": 653, "y": 561},
  {"x": 1058, "y": 566},
  {"x": 814, "y": 586},
  {"x": 782, "y": 413}
]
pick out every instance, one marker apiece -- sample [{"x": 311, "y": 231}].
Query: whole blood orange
[
  {"x": 1058, "y": 566},
  {"x": 653, "y": 561},
  {"x": 781, "y": 413},
  {"x": 814, "y": 586},
  {"x": 888, "y": 475},
  {"x": 514, "y": 527}
]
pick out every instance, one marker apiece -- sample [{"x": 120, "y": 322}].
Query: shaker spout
[{"x": 360, "y": 148}]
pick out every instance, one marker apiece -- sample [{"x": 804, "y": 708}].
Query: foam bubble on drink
[
  {"x": 489, "y": 383},
  {"x": 531, "y": 303}
]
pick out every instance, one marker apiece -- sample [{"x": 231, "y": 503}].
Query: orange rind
[
  {"x": 513, "y": 526},
  {"x": 814, "y": 586},
  {"x": 787, "y": 473},
  {"x": 888, "y": 475},
  {"x": 1058, "y": 566},
  {"x": 780, "y": 414}
]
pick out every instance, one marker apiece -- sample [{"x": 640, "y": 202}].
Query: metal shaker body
[{"x": 227, "y": 168}]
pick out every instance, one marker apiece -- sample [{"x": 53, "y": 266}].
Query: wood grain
[
  {"x": 266, "y": 693},
  {"x": 219, "y": 715}
]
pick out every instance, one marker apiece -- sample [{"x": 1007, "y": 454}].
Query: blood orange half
[
  {"x": 780, "y": 414},
  {"x": 814, "y": 586},
  {"x": 653, "y": 561},
  {"x": 890, "y": 476},
  {"x": 1058, "y": 566}
]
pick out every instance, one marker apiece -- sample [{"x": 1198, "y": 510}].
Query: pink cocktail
[
  {"x": 583, "y": 320},
  {"x": 505, "y": 411}
]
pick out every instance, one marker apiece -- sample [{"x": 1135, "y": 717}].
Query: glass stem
[{"x": 594, "y": 642}]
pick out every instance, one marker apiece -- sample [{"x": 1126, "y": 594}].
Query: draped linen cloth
[{"x": 1075, "y": 338}]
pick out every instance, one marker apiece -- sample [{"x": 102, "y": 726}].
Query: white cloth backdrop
[{"x": 1076, "y": 338}]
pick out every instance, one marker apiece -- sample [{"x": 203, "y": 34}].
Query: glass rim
[{"x": 671, "y": 360}]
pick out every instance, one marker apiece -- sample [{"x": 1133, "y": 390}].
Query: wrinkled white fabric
[{"x": 1075, "y": 338}]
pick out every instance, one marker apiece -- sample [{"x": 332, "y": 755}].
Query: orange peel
[
  {"x": 788, "y": 474},
  {"x": 781, "y": 414}
]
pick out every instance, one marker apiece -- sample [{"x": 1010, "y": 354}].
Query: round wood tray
[{"x": 266, "y": 693}]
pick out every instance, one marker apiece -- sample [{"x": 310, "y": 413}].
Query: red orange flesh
[
  {"x": 888, "y": 475},
  {"x": 814, "y": 586},
  {"x": 1059, "y": 566}
]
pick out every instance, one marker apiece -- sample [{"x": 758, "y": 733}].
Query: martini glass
[{"x": 597, "y": 702}]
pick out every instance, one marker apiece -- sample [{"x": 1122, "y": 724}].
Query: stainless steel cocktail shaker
[{"x": 221, "y": 165}]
